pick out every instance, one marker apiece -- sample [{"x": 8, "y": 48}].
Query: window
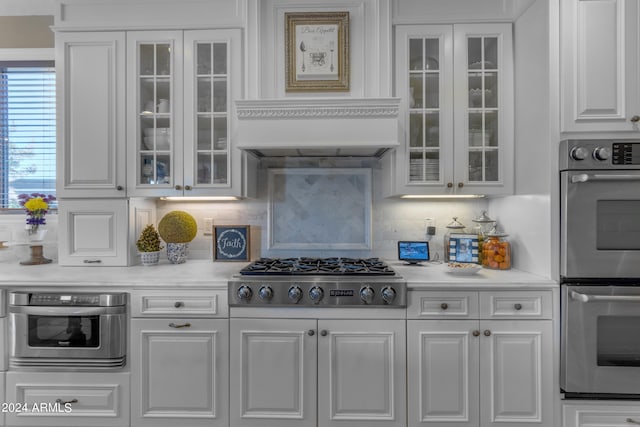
[{"x": 27, "y": 130}]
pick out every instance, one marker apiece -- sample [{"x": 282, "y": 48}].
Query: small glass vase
[{"x": 36, "y": 236}]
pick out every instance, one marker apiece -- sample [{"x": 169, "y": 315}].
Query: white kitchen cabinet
[
  {"x": 90, "y": 79},
  {"x": 307, "y": 372},
  {"x": 468, "y": 370},
  {"x": 93, "y": 232},
  {"x": 68, "y": 399},
  {"x": 179, "y": 128},
  {"x": 179, "y": 359},
  {"x": 596, "y": 413},
  {"x": 599, "y": 61},
  {"x": 456, "y": 86}
]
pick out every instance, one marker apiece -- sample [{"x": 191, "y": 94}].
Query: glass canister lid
[
  {"x": 496, "y": 231},
  {"x": 483, "y": 218},
  {"x": 455, "y": 225}
]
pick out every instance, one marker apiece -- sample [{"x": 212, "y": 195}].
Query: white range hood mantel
[{"x": 318, "y": 127}]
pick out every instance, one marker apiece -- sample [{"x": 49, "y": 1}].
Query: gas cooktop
[{"x": 318, "y": 266}]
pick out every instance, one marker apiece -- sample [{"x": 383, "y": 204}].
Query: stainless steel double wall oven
[{"x": 600, "y": 268}]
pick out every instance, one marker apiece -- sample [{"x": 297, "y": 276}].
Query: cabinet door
[
  {"x": 90, "y": 70},
  {"x": 442, "y": 372},
  {"x": 274, "y": 372},
  {"x": 212, "y": 79},
  {"x": 516, "y": 373},
  {"x": 181, "y": 373},
  {"x": 424, "y": 69},
  {"x": 154, "y": 112},
  {"x": 361, "y": 373},
  {"x": 483, "y": 121},
  {"x": 599, "y": 65},
  {"x": 93, "y": 232}
]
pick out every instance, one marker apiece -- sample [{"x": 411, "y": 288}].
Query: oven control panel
[
  {"x": 599, "y": 154},
  {"x": 67, "y": 299}
]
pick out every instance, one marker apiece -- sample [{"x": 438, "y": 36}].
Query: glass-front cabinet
[
  {"x": 456, "y": 82},
  {"x": 178, "y": 135}
]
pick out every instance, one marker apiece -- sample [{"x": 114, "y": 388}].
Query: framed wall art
[
  {"x": 317, "y": 51},
  {"x": 231, "y": 243},
  {"x": 463, "y": 248}
]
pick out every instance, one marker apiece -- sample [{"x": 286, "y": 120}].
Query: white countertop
[{"x": 206, "y": 273}]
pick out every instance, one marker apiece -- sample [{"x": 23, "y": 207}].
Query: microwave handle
[
  {"x": 607, "y": 298},
  {"x": 59, "y": 311},
  {"x": 584, "y": 177}
]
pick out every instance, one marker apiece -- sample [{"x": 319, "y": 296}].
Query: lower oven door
[
  {"x": 600, "y": 352},
  {"x": 73, "y": 336}
]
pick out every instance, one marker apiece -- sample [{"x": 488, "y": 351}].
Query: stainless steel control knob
[
  {"x": 602, "y": 153},
  {"x": 316, "y": 294},
  {"x": 388, "y": 294},
  {"x": 245, "y": 293},
  {"x": 367, "y": 294},
  {"x": 265, "y": 293},
  {"x": 295, "y": 294},
  {"x": 579, "y": 153}
]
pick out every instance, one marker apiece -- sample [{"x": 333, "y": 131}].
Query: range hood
[{"x": 328, "y": 127}]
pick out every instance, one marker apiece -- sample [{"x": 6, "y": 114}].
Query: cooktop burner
[{"x": 318, "y": 266}]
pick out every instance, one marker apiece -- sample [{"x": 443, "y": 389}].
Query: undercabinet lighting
[
  {"x": 200, "y": 199},
  {"x": 442, "y": 196}
]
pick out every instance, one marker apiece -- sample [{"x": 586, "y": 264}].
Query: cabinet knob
[
  {"x": 92, "y": 261},
  {"x": 311, "y": 332},
  {"x": 476, "y": 333},
  {"x": 178, "y": 304},
  {"x": 187, "y": 187},
  {"x": 119, "y": 188},
  {"x": 460, "y": 184},
  {"x": 487, "y": 333},
  {"x": 635, "y": 119},
  {"x": 444, "y": 306},
  {"x": 182, "y": 325},
  {"x": 517, "y": 306},
  {"x": 631, "y": 420},
  {"x": 178, "y": 187},
  {"x": 324, "y": 332},
  {"x": 65, "y": 402},
  {"x": 449, "y": 184}
]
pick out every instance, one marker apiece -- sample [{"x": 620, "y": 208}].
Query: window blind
[{"x": 27, "y": 130}]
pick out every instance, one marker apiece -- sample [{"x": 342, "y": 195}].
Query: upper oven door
[{"x": 600, "y": 224}]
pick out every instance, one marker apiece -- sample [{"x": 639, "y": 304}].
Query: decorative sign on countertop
[{"x": 231, "y": 243}]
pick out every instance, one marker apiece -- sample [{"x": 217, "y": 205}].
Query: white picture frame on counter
[{"x": 320, "y": 208}]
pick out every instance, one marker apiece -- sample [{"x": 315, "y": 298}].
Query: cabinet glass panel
[
  {"x": 424, "y": 109},
  {"x": 212, "y": 153},
  {"x": 483, "y": 108},
  {"x": 155, "y": 130}
]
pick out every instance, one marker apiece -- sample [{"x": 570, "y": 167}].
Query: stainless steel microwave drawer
[{"x": 182, "y": 303}]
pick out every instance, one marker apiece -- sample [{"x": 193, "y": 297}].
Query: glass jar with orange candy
[{"x": 496, "y": 251}]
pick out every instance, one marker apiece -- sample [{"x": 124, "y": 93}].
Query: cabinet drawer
[
  {"x": 516, "y": 305},
  {"x": 191, "y": 303},
  {"x": 440, "y": 305},
  {"x": 601, "y": 414},
  {"x": 96, "y": 399}
]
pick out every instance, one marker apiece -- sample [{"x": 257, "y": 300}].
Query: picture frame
[
  {"x": 317, "y": 51},
  {"x": 231, "y": 243},
  {"x": 463, "y": 248}
]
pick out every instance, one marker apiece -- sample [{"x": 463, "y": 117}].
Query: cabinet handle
[
  {"x": 518, "y": 306},
  {"x": 178, "y": 304},
  {"x": 64, "y": 402},
  {"x": 187, "y": 187},
  {"x": 444, "y": 306},
  {"x": 631, "y": 420},
  {"x": 476, "y": 333},
  {"x": 449, "y": 184},
  {"x": 460, "y": 184},
  {"x": 184, "y": 325},
  {"x": 92, "y": 261},
  {"x": 635, "y": 119},
  {"x": 487, "y": 333},
  {"x": 311, "y": 332},
  {"x": 324, "y": 332},
  {"x": 119, "y": 188},
  {"x": 178, "y": 187}
]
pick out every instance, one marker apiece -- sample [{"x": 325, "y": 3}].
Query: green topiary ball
[{"x": 177, "y": 227}]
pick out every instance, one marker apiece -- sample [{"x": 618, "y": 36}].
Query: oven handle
[
  {"x": 66, "y": 311},
  {"x": 584, "y": 177},
  {"x": 610, "y": 298}
]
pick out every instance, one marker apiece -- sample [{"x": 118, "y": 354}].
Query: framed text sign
[
  {"x": 231, "y": 243},
  {"x": 317, "y": 51}
]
